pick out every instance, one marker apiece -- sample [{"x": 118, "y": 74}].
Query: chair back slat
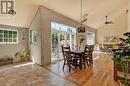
[
  {"x": 88, "y": 50},
  {"x": 67, "y": 57},
  {"x": 66, "y": 52}
]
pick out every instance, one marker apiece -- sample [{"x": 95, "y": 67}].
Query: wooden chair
[
  {"x": 68, "y": 58},
  {"x": 88, "y": 51}
]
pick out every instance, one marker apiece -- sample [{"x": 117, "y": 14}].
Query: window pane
[
  {"x": 5, "y": 31},
  {"x": 10, "y": 40},
  {"x": 5, "y": 40},
  {"x": 1, "y": 35},
  {"x": 5, "y": 35},
  {"x": 8, "y": 36},
  {"x": 10, "y": 32},
  {"x": 1, "y": 31},
  {"x": 90, "y": 39},
  {"x": 1, "y": 40},
  {"x": 14, "y": 34},
  {"x": 14, "y": 40}
]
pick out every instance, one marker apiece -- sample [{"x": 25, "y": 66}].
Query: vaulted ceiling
[{"x": 96, "y": 9}]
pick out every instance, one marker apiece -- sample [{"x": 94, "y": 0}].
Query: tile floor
[{"x": 30, "y": 75}]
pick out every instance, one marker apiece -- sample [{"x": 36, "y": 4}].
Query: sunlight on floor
[
  {"x": 23, "y": 64},
  {"x": 96, "y": 58}
]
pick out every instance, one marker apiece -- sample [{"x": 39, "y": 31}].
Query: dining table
[{"x": 79, "y": 53}]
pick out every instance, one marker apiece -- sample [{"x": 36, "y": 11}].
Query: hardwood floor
[{"x": 100, "y": 74}]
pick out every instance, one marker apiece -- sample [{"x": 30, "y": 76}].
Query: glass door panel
[
  {"x": 73, "y": 41},
  {"x": 61, "y": 42},
  {"x": 55, "y": 47},
  {"x": 67, "y": 39},
  {"x": 61, "y": 36}
]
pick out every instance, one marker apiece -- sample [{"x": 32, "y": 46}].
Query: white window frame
[{"x": 17, "y": 40}]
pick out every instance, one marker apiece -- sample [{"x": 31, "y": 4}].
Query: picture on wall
[
  {"x": 114, "y": 39},
  {"x": 111, "y": 39},
  {"x": 107, "y": 39},
  {"x": 33, "y": 36}
]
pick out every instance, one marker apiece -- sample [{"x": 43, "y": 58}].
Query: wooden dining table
[{"x": 78, "y": 53}]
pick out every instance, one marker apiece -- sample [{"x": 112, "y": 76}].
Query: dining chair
[
  {"x": 68, "y": 58},
  {"x": 88, "y": 51},
  {"x": 91, "y": 49}
]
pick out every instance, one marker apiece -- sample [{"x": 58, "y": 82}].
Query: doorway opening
[{"x": 61, "y": 35}]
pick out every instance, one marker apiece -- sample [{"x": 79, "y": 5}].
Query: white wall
[
  {"x": 36, "y": 47},
  {"x": 25, "y": 11},
  {"x": 119, "y": 27},
  {"x": 9, "y": 50}
]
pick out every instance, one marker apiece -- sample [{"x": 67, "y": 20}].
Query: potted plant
[
  {"x": 18, "y": 57},
  {"x": 26, "y": 54},
  {"x": 23, "y": 55},
  {"x": 122, "y": 57}
]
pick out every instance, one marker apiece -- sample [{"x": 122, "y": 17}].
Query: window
[
  {"x": 62, "y": 27},
  {"x": 8, "y": 36},
  {"x": 90, "y": 38},
  {"x": 34, "y": 36}
]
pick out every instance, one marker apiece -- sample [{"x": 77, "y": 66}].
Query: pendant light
[{"x": 81, "y": 29}]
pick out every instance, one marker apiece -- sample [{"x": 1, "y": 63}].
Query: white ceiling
[{"x": 97, "y": 10}]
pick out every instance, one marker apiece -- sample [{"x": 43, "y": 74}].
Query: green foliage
[
  {"x": 81, "y": 40},
  {"x": 23, "y": 55},
  {"x": 18, "y": 55},
  {"x": 26, "y": 54},
  {"x": 122, "y": 57}
]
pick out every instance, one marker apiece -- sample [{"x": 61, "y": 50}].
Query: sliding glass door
[
  {"x": 61, "y": 35},
  {"x": 55, "y": 46}
]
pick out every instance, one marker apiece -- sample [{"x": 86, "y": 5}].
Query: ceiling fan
[{"x": 108, "y": 22}]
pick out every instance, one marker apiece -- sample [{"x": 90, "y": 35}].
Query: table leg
[{"x": 80, "y": 67}]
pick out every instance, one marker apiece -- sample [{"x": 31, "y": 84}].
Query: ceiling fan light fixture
[{"x": 108, "y": 22}]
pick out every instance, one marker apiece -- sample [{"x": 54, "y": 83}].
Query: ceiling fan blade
[{"x": 111, "y": 22}]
